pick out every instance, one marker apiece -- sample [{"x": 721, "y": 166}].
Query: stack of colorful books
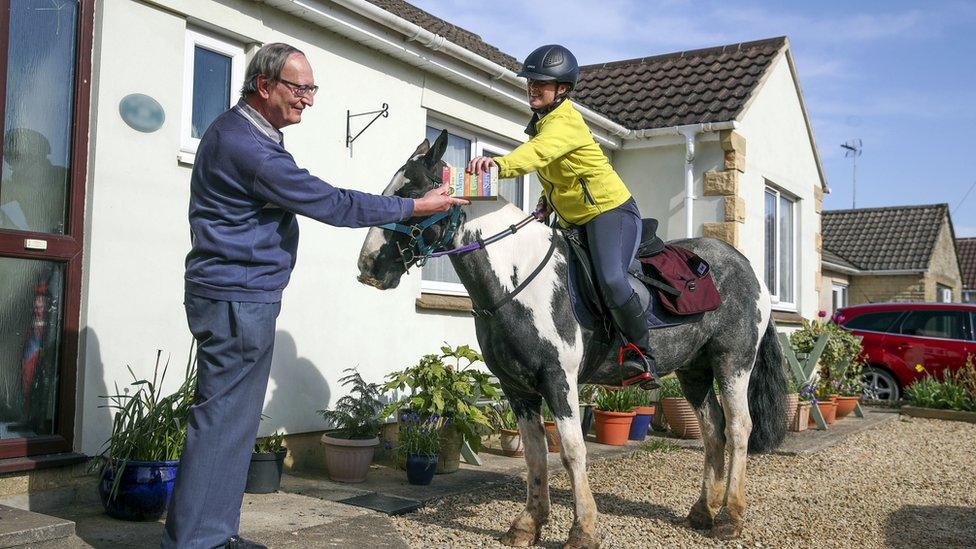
[{"x": 471, "y": 186}]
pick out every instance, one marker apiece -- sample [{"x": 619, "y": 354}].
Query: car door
[{"x": 935, "y": 339}]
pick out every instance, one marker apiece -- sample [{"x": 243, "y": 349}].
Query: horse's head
[{"x": 387, "y": 254}]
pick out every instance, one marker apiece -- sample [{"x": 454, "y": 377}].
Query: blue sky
[{"x": 899, "y": 75}]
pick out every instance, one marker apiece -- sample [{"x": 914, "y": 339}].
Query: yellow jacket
[{"x": 577, "y": 179}]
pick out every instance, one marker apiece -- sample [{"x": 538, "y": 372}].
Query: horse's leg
[
  {"x": 696, "y": 383},
  {"x": 738, "y": 425},
  {"x": 573, "y": 454},
  {"x": 527, "y": 526}
]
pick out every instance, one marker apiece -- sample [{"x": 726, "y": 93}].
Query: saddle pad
[{"x": 656, "y": 315}]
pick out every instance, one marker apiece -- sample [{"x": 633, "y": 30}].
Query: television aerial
[{"x": 852, "y": 150}]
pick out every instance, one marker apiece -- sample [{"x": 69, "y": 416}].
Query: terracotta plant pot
[
  {"x": 681, "y": 417},
  {"x": 511, "y": 442},
  {"x": 801, "y": 418},
  {"x": 347, "y": 460},
  {"x": 845, "y": 405},
  {"x": 449, "y": 457},
  {"x": 792, "y": 404},
  {"x": 828, "y": 410},
  {"x": 613, "y": 428},
  {"x": 552, "y": 436}
]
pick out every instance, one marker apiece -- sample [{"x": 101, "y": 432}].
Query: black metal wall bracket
[{"x": 384, "y": 112}]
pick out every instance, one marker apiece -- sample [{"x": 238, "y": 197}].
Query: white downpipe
[{"x": 689, "y": 133}]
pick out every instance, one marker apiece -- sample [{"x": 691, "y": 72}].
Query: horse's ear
[
  {"x": 435, "y": 153},
  {"x": 422, "y": 148}
]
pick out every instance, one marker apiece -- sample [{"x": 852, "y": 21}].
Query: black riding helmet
[{"x": 552, "y": 62}]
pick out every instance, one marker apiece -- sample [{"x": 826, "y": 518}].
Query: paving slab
[
  {"x": 20, "y": 527},
  {"x": 812, "y": 440}
]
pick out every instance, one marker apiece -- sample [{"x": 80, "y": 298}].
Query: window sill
[
  {"x": 438, "y": 302},
  {"x": 32, "y": 463},
  {"x": 186, "y": 158},
  {"x": 787, "y": 317}
]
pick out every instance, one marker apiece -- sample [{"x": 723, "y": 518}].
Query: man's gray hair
[{"x": 268, "y": 61}]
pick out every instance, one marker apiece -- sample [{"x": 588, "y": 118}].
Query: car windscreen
[
  {"x": 873, "y": 322},
  {"x": 943, "y": 324}
]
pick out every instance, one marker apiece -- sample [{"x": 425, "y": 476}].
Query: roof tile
[
  {"x": 967, "y": 261},
  {"x": 883, "y": 239}
]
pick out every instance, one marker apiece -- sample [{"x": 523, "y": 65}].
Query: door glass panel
[
  {"x": 944, "y": 324},
  {"x": 38, "y": 115},
  {"x": 30, "y": 327},
  {"x": 211, "y": 88},
  {"x": 873, "y": 322}
]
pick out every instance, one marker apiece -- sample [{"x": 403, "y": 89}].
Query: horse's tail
[{"x": 767, "y": 394}]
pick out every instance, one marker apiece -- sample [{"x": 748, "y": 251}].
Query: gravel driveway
[{"x": 909, "y": 483}]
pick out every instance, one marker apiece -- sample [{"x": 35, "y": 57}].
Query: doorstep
[{"x": 19, "y": 527}]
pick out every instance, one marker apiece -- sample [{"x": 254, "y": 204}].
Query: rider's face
[{"x": 543, "y": 93}]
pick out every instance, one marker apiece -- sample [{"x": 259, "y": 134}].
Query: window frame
[
  {"x": 774, "y": 292},
  {"x": 836, "y": 287},
  {"x": 479, "y": 144},
  {"x": 195, "y": 37}
]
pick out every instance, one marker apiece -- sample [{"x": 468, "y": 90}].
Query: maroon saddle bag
[{"x": 689, "y": 274}]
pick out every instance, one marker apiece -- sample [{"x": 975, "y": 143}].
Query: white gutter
[
  {"x": 848, "y": 270},
  {"x": 326, "y": 15}
]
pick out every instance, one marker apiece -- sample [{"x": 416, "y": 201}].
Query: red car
[{"x": 904, "y": 341}]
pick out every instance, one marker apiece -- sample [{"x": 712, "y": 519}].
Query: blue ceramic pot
[
  {"x": 144, "y": 490},
  {"x": 420, "y": 468},
  {"x": 638, "y": 427}
]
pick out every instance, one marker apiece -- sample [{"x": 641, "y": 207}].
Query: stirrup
[{"x": 645, "y": 377}]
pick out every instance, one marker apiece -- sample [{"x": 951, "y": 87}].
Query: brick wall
[
  {"x": 873, "y": 289},
  {"x": 943, "y": 267}
]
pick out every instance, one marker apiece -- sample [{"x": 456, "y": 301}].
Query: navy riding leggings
[{"x": 612, "y": 238}]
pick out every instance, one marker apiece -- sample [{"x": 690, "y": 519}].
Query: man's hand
[
  {"x": 436, "y": 200},
  {"x": 480, "y": 164}
]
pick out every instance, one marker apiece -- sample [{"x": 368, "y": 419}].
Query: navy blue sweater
[{"x": 244, "y": 194}]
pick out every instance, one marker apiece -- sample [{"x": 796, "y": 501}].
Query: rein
[{"x": 426, "y": 250}]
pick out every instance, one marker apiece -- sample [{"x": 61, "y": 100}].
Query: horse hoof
[
  {"x": 726, "y": 531},
  {"x": 581, "y": 540},
  {"x": 517, "y": 537},
  {"x": 700, "y": 519}
]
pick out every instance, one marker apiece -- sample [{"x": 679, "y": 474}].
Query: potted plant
[
  {"x": 802, "y": 419},
  {"x": 418, "y": 445},
  {"x": 140, "y": 461},
  {"x": 552, "y": 432},
  {"x": 267, "y": 462},
  {"x": 792, "y": 399},
  {"x": 850, "y": 389},
  {"x": 641, "y": 400},
  {"x": 678, "y": 412},
  {"x": 511, "y": 439},
  {"x": 822, "y": 400},
  {"x": 451, "y": 391},
  {"x": 587, "y": 393},
  {"x": 355, "y": 418},
  {"x": 614, "y": 414}
]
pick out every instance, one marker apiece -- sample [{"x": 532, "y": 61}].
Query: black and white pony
[{"x": 536, "y": 348}]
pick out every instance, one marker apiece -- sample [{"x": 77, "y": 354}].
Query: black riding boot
[{"x": 636, "y": 361}]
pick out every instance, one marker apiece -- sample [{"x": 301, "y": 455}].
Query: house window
[
  {"x": 780, "y": 247},
  {"x": 438, "y": 274},
  {"x": 839, "y": 292},
  {"x": 212, "y": 77},
  {"x": 969, "y": 296},
  {"x": 943, "y": 294}
]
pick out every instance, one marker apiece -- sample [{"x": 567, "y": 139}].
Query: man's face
[{"x": 283, "y": 100}]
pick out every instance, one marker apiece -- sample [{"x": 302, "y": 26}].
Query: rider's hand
[
  {"x": 544, "y": 209},
  {"x": 436, "y": 200},
  {"x": 480, "y": 164}
]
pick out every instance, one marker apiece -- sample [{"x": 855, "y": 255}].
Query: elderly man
[{"x": 244, "y": 194}]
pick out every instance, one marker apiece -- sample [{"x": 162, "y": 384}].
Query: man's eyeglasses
[{"x": 298, "y": 89}]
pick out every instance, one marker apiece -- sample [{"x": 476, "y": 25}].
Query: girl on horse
[{"x": 584, "y": 190}]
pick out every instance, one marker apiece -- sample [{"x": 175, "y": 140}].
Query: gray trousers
[{"x": 234, "y": 345}]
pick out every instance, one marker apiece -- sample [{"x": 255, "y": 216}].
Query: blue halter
[{"x": 419, "y": 249}]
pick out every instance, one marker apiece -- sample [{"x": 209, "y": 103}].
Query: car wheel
[{"x": 879, "y": 384}]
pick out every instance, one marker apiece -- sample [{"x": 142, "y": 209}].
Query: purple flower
[{"x": 821, "y": 313}]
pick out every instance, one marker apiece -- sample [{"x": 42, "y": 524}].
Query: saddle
[{"x": 674, "y": 285}]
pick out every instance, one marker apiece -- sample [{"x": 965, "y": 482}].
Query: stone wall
[
  {"x": 725, "y": 183},
  {"x": 943, "y": 267},
  {"x": 878, "y": 288}
]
